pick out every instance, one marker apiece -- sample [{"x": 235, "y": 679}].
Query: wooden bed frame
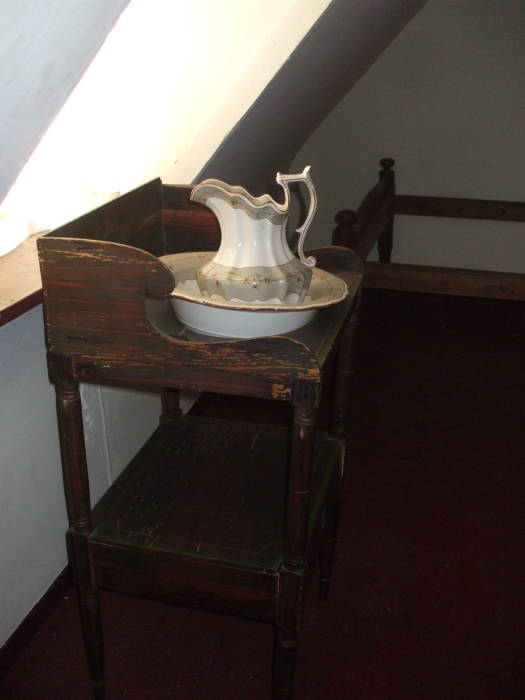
[{"x": 373, "y": 222}]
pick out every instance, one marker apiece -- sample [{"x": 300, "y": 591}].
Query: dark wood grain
[
  {"x": 133, "y": 219},
  {"x": 163, "y": 501},
  {"x": 20, "y": 284},
  {"x": 458, "y": 208},
  {"x": 299, "y": 491},
  {"x": 16, "y": 309},
  {"x": 171, "y": 410},
  {"x": 190, "y": 582},
  {"x": 445, "y": 280},
  {"x": 217, "y": 514},
  {"x": 76, "y": 488},
  {"x": 97, "y": 294},
  {"x": 189, "y": 226},
  {"x": 344, "y": 371}
]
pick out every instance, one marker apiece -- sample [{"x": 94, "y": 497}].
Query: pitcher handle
[{"x": 305, "y": 177}]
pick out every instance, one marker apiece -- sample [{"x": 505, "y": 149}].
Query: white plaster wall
[
  {"x": 32, "y": 510},
  {"x": 31, "y": 499},
  {"x": 344, "y": 42},
  {"x": 447, "y": 101}
]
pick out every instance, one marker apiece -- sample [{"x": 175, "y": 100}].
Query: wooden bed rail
[
  {"x": 373, "y": 223},
  {"x": 452, "y": 207},
  {"x": 481, "y": 284}
]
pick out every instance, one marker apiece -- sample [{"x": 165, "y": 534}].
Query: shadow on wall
[{"x": 345, "y": 41}]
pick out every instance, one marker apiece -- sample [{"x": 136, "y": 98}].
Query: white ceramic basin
[{"x": 240, "y": 319}]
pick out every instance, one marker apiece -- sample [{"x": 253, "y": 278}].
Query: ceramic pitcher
[{"x": 254, "y": 261}]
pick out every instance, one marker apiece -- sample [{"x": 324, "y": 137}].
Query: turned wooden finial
[
  {"x": 387, "y": 164},
  {"x": 345, "y": 219}
]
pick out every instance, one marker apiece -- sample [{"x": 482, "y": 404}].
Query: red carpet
[{"x": 428, "y": 601}]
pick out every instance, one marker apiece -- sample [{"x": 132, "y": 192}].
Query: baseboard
[{"x": 30, "y": 625}]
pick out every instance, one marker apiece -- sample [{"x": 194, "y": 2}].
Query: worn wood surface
[
  {"x": 20, "y": 285},
  {"x": 76, "y": 489},
  {"x": 223, "y": 515},
  {"x": 101, "y": 310},
  {"x": 188, "y": 225},
  {"x": 133, "y": 219},
  {"x": 221, "y": 505},
  {"x": 163, "y": 502},
  {"x": 444, "y": 280}
]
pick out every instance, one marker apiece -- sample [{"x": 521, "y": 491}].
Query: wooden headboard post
[
  {"x": 386, "y": 239},
  {"x": 374, "y": 220},
  {"x": 344, "y": 233}
]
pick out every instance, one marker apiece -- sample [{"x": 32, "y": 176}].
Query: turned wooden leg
[
  {"x": 342, "y": 380},
  {"x": 345, "y": 232},
  {"x": 327, "y": 553},
  {"x": 89, "y": 604},
  {"x": 284, "y": 661},
  {"x": 287, "y": 635},
  {"x": 386, "y": 242},
  {"x": 170, "y": 405},
  {"x": 343, "y": 376},
  {"x": 76, "y": 487},
  {"x": 294, "y": 566}
]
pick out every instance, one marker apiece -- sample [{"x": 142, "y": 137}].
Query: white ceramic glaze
[
  {"x": 241, "y": 319},
  {"x": 254, "y": 261}
]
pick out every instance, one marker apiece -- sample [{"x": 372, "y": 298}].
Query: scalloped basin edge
[{"x": 238, "y": 319}]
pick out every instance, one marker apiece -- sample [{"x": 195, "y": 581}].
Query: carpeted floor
[{"x": 428, "y": 600}]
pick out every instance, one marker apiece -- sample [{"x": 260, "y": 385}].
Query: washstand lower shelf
[{"x": 202, "y": 491}]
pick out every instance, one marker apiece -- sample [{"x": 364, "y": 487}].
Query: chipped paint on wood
[
  {"x": 281, "y": 392},
  {"x": 107, "y": 306}
]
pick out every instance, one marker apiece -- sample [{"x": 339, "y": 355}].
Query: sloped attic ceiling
[
  {"x": 345, "y": 41},
  {"x": 45, "y": 48},
  {"x": 339, "y": 48}
]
